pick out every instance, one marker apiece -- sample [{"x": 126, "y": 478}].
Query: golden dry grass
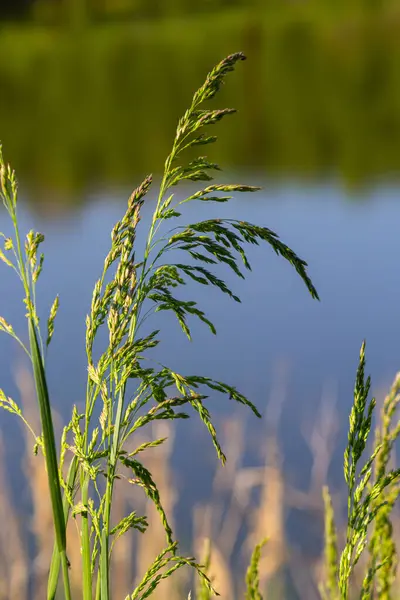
[{"x": 231, "y": 509}]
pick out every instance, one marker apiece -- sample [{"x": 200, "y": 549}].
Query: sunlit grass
[
  {"x": 126, "y": 389},
  {"x": 102, "y": 448}
]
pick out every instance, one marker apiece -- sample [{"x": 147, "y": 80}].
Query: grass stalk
[
  {"x": 119, "y": 297},
  {"x": 56, "y": 560},
  {"x": 85, "y": 540},
  {"x": 104, "y": 563}
]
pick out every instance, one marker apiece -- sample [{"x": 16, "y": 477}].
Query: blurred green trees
[
  {"x": 63, "y": 10},
  {"x": 320, "y": 95}
]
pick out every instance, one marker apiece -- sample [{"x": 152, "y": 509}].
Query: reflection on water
[{"x": 317, "y": 96}]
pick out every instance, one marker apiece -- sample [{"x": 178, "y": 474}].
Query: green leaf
[{"x": 50, "y": 452}]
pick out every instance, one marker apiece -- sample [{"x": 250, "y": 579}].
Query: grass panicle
[
  {"x": 372, "y": 491},
  {"x": 382, "y": 547},
  {"x": 166, "y": 563},
  {"x": 125, "y": 386}
]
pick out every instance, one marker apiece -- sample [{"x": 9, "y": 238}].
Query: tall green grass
[
  {"x": 124, "y": 385},
  {"x": 130, "y": 391},
  {"x": 372, "y": 490}
]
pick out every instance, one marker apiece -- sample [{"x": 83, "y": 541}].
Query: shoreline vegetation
[{"x": 302, "y": 98}]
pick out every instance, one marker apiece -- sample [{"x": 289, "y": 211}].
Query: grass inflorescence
[
  {"x": 372, "y": 489},
  {"x": 127, "y": 393},
  {"x": 129, "y": 390}
]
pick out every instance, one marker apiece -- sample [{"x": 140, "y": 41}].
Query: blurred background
[{"x": 90, "y": 95}]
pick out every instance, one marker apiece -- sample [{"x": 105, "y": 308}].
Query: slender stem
[
  {"x": 64, "y": 568},
  {"x": 104, "y": 567},
  {"x": 112, "y": 463},
  {"x": 85, "y": 533},
  {"x": 20, "y": 259},
  {"x": 84, "y": 484},
  {"x": 16, "y": 338},
  {"x": 85, "y": 540},
  {"x": 98, "y": 587}
]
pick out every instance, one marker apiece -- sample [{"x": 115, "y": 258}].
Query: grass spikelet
[
  {"x": 357, "y": 506},
  {"x": 51, "y": 319},
  {"x": 369, "y": 499},
  {"x": 382, "y": 547},
  {"x": 144, "y": 479},
  {"x": 166, "y": 563},
  {"x": 252, "y": 577},
  {"x": 203, "y": 589}
]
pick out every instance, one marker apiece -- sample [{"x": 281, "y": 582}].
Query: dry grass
[{"x": 230, "y": 513}]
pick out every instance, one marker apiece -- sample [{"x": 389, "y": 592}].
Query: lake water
[{"x": 351, "y": 247}]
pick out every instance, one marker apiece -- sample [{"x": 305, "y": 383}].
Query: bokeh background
[{"x": 90, "y": 95}]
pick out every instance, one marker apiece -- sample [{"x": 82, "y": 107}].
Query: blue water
[{"x": 352, "y": 247}]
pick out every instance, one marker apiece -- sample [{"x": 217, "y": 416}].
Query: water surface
[{"x": 352, "y": 250}]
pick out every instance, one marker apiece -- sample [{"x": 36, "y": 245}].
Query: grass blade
[
  {"x": 55, "y": 559},
  {"x": 50, "y": 454}
]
